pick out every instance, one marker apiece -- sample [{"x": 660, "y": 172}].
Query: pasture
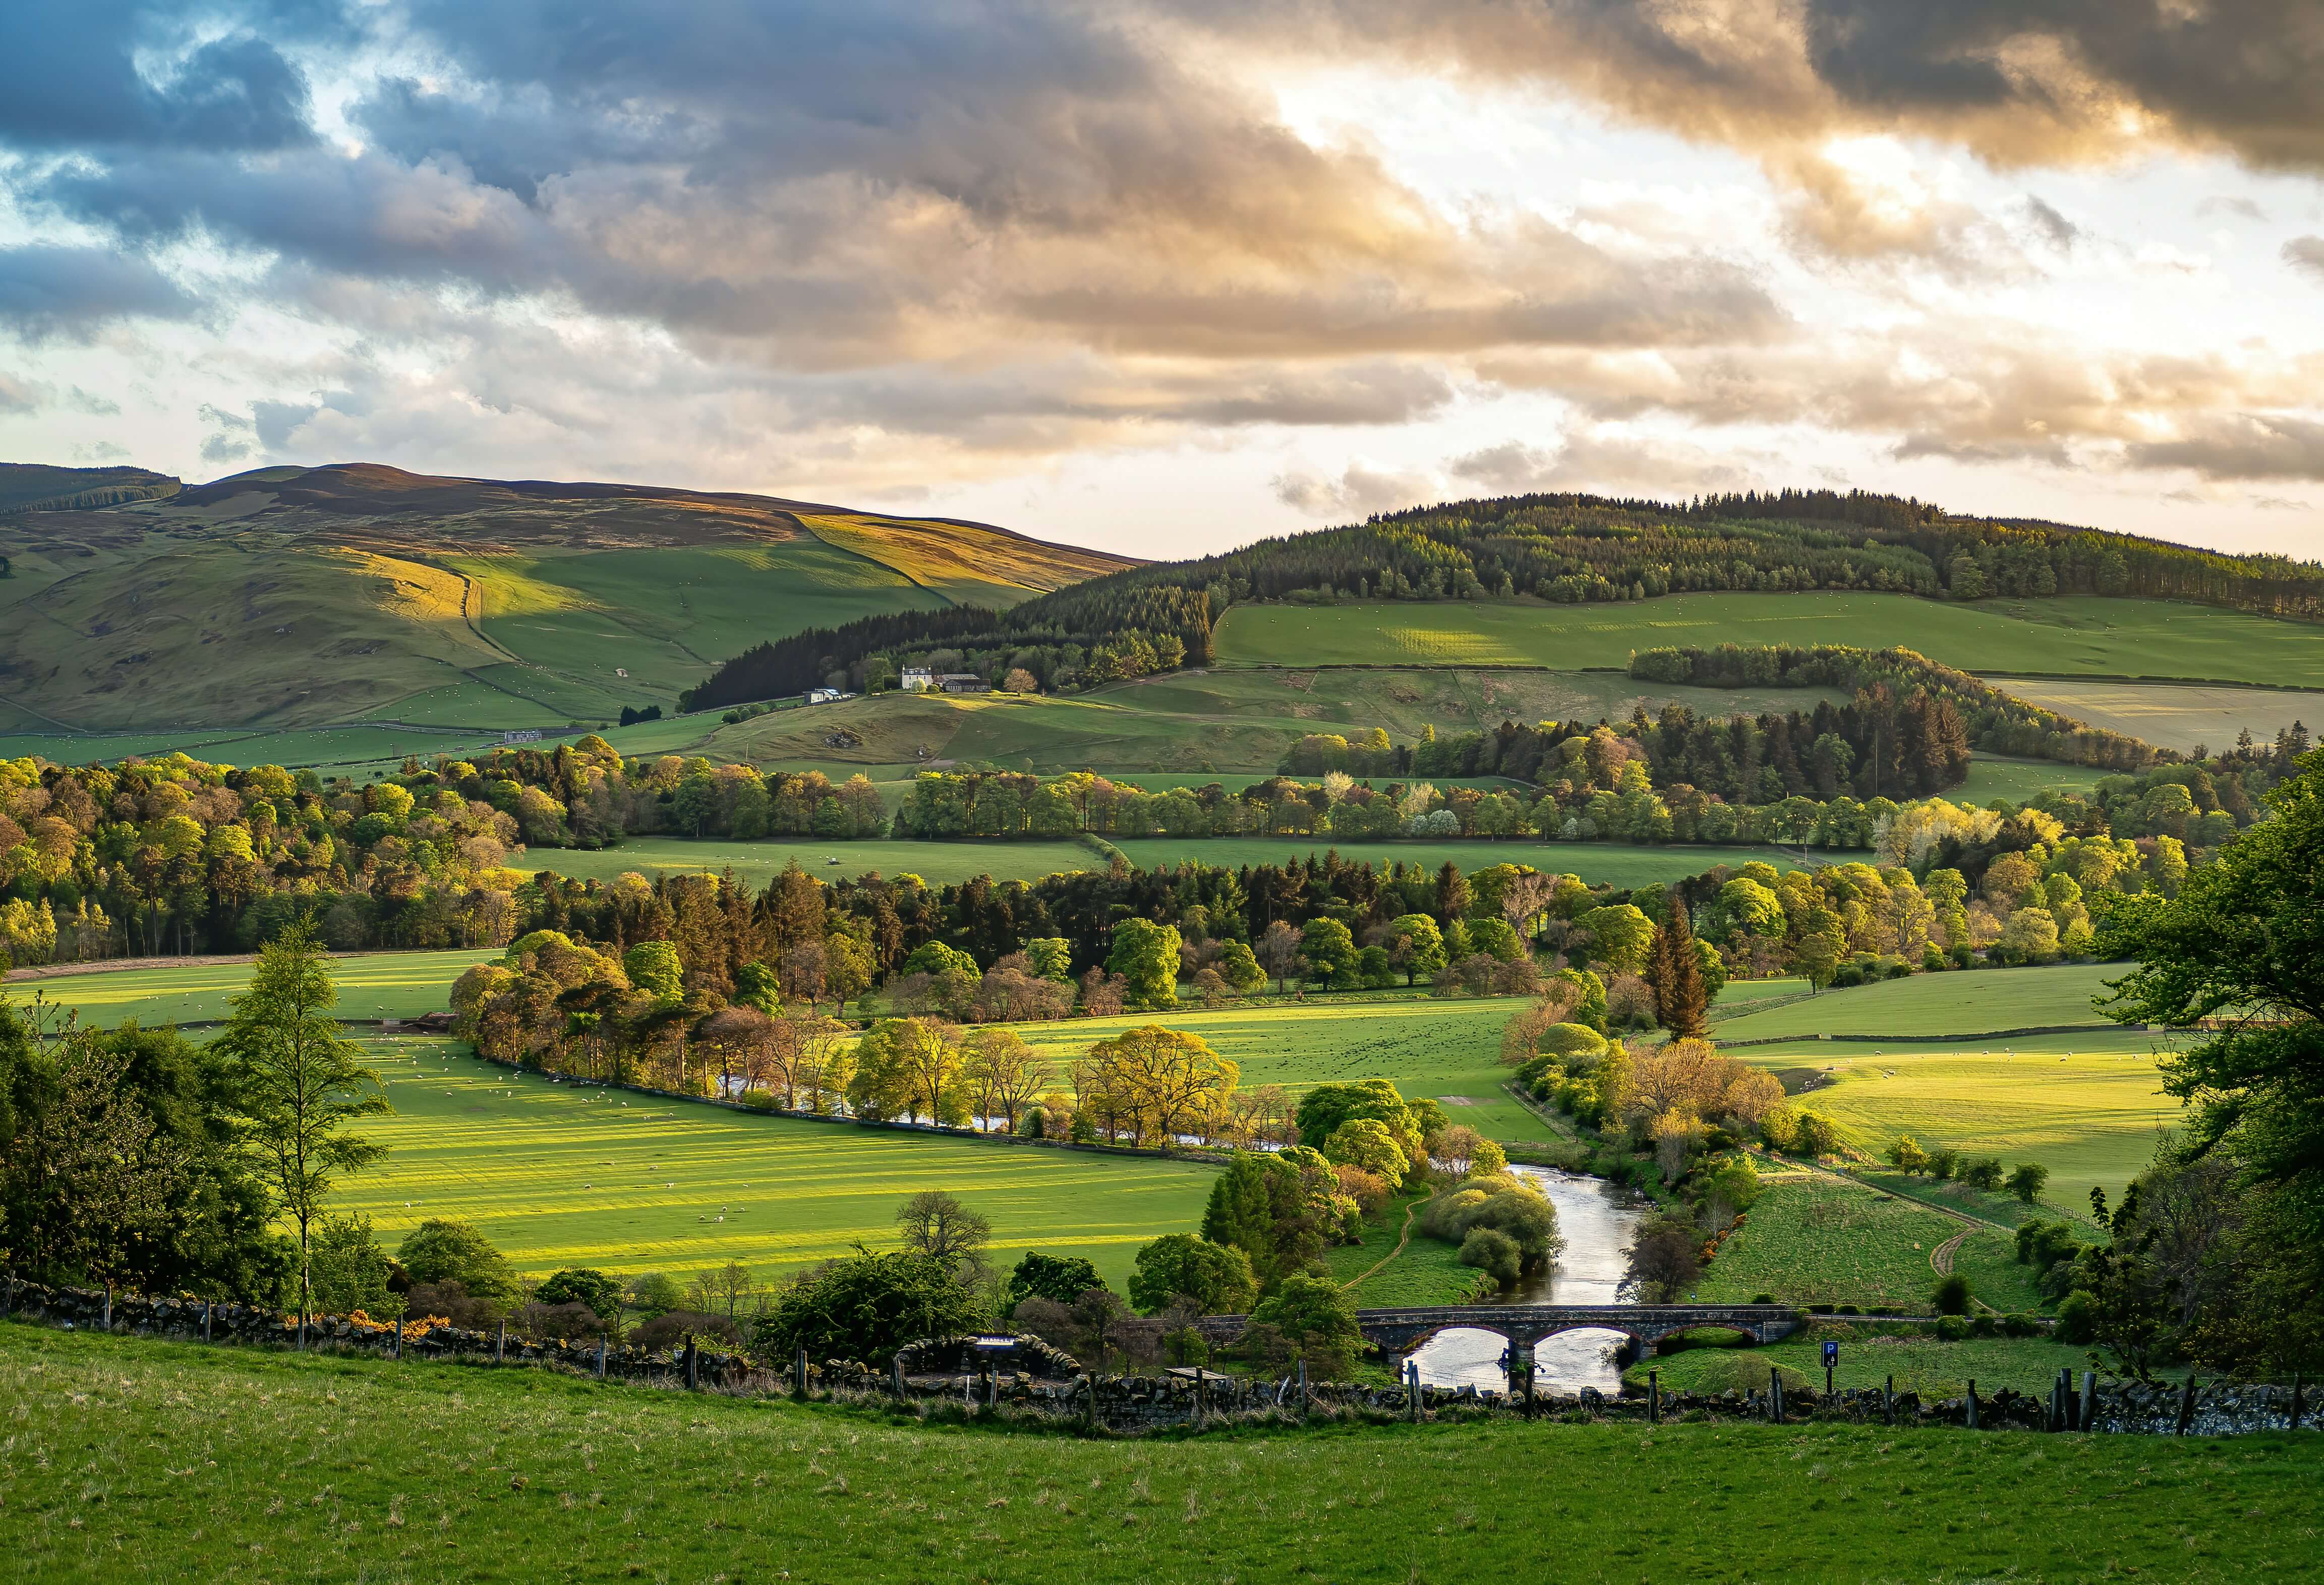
[
  {"x": 2177, "y": 716},
  {"x": 1446, "y": 1049},
  {"x": 1957, "y": 1002},
  {"x": 2090, "y": 1112},
  {"x": 1812, "y": 1239},
  {"x": 1924, "y": 1365},
  {"x": 2070, "y": 636},
  {"x": 358, "y": 1468},
  {"x": 559, "y": 1174},
  {"x": 372, "y": 985},
  {"x": 1994, "y": 778}
]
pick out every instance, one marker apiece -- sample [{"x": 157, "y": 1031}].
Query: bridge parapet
[{"x": 1402, "y": 1330}]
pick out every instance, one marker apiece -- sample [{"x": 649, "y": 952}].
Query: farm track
[
  {"x": 1944, "y": 1251},
  {"x": 1403, "y": 1239},
  {"x": 1941, "y": 1259}
]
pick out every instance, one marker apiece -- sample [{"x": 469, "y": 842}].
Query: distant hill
[
  {"x": 299, "y": 597},
  {"x": 32, "y": 486},
  {"x": 1514, "y": 554}
]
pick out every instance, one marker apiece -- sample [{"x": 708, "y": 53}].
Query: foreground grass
[
  {"x": 172, "y": 1462},
  {"x": 562, "y": 1174}
]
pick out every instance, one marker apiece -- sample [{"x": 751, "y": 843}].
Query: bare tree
[{"x": 1278, "y": 953}]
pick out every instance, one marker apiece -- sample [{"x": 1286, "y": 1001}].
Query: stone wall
[{"x": 946, "y": 1371}]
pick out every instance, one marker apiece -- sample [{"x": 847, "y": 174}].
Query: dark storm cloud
[
  {"x": 2242, "y": 445},
  {"x": 69, "y": 79},
  {"x": 48, "y": 291}
]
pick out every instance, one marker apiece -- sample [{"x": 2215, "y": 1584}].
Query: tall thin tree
[
  {"x": 297, "y": 1082},
  {"x": 1681, "y": 1004}
]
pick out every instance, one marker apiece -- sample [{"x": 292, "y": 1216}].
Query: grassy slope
[
  {"x": 1956, "y": 1003},
  {"x": 1923, "y": 1365},
  {"x": 2076, "y": 636},
  {"x": 1992, "y": 776},
  {"x": 2175, "y": 715},
  {"x": 168, "y": 1461},
  {"x": 516, "y": 1154},
  {"x": 1810, "y": 1240},
  {"x": 2090, "y": 1118},
  {"x": 372, "y": 985},
  {"x": 1431, "y": 1047}
]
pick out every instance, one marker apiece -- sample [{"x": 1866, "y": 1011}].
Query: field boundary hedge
[
  {"x": 1934, "y": 1040},
  {"x": 1204, "y": 1155}
]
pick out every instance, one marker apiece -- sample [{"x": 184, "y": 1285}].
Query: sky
[{"x": 1167, "y": 276}]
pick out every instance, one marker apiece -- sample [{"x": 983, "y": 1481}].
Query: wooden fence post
[
  {"x": 1089, "y": 1404},
  {"x": 896, "y": 1377},
  {"x": 1972, "y": 1403},
  {"x": 1304, "y": 1401},
  {"x": 500, "y": 1343},
  {"x": 1654, "y": 1398},
  {"x": 108, "y": 1306},
  {"x": 2296, "y": 1384},
  {"x": 395, "y": 1339},
  {"x": 1775, "y": 1396},
  {"x": 2089, "y": 1412},
  {"x": 601, "y": 1355},
  {"x": 1888, "y": 1399},
  {"x": 206, "y": 1321},
  {"x": 1412, "y": 1390},
  {"x": 693, "y": 1365},
  {"x": 2187, "y": 1404}
]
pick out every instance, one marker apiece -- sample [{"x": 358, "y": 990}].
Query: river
[{"x": 1598, "y": 1222}]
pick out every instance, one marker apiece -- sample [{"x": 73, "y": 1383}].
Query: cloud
[
  {"x": 2243, "y": 446},
  {"x": 2306, "y": 254},
  {"x": 19, "y": 395},
  {"x": 71, "y": 76},
  {"x": 1604, "y": 461},
  {"x": 51, "y": 290},
  {"x": 1360, "y": 490},
  {"x": 2056, "y": 228}
]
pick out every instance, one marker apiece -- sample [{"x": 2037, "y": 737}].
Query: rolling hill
[{"x": 289, "y": 598}]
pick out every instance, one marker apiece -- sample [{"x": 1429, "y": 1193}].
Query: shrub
[
  {"x": 1062, "y": 1277},
  {"x": 454, "y": 1303},
  {"x": 866, "y": 1306},
  {"x": 1493, "y": 1252},
  {"x": 440, "y": 1250},
  {"x": 569, "y": 1320},
  {"x": 1508, "y": 1205},
  {"x": 2077, "y": 1318},
  {"x": 1214, "y": 1278},
  {"x": 670, "y": 1330},
  {"x": 1951, "y": 1296},
  {"x": 1952, "y": 1329},
  {"x": 2028, "y": 1180},
  {"x": 1984, "y": 1172},
  {"x": 1316, "y": 1319},
  {"x": 654, "y": 1293},
  {"x": 578, "y": 1285}
]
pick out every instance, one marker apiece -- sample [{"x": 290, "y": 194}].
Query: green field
[
  {"x": 1428, "y": 1272},
  {"x": 1924, "y": 1365},
  {"x": 556, "y": 1175},
  {"x": 133, "y": 1459},
  {"x": 372, "y": 985},
  {"x": 1448, "y": 1050},
  {"x": 2090, "y": 1117},
  {"x": 1812, "y": 1239},
  {"x": 2071, "y": 636},
  {"x": 946, "y": 862},
  {"x": 941, "y": 863},
  {"x": 2177, "y": 716},
  {"x": 1960, "y": 1002},
  {"x": 1992, "y": 778}
]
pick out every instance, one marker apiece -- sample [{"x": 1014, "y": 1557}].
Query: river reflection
[{"x": 1599, "y": 1224}]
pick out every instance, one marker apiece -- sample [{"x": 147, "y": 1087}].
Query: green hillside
[
  {"x": 2073, "y": 635},
  {"x": 291, "y": 599}
]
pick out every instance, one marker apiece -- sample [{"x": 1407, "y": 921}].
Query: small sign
[{"x": 1830, "y": 1352}]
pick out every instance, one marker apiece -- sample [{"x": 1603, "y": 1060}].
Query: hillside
[
  {"x": 1569, "y": 582},
  {"x": 296, "y": 598}
]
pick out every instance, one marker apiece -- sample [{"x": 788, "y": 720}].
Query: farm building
[
  {"x": 919, "y": 679},
  {"x": 963, "y": 682}
]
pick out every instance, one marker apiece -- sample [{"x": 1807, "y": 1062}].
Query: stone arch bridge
[{"x": 1399, "y": 1331}]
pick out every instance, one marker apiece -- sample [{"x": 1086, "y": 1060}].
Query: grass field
[
  {"x": 129, "y": 1458},
  {"x": 2090, "y": 1117},
  {"x": 2074, "y": 636},
  {"x": 1964, "y": 1002},
  {"x": 1924, "y": 1365},
  {"x": 1447, "y": 1050},
  {"x": 372, "y": 985},
  {"x": 2177, "y": 716},
  {"x": 945, "y": 863},
  {"x": 1815, "y": 1239},
  {"x": 1993, "y": 778},
  {"x": 1428, "y": 1272},
  {"x": 558, "y": 1174}
]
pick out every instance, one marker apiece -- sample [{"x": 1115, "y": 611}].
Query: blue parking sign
[{"x": 1830, "y": 1352}]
